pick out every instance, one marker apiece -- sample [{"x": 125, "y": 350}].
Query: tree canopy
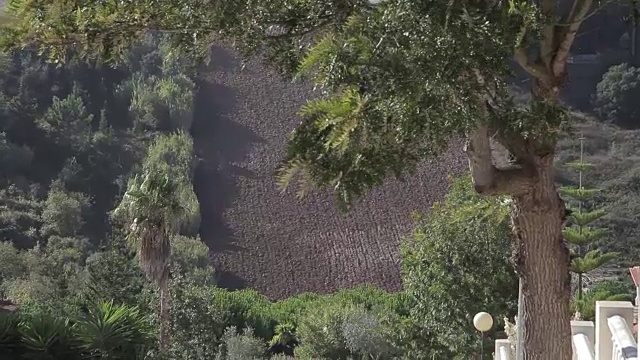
[{"x": 402, "y": 78}]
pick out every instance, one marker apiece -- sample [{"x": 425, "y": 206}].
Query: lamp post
[{"x": 483, "y": 322}]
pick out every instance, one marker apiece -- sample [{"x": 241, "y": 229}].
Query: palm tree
[{"x": 152, "y": 206}]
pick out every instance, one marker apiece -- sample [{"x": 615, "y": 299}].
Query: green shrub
[
  {"x": 320, "y": 333},
  {"x": 290, "y": 309},
  {"x": 617, "y": 96},
  {"x": 113, "y": 275},
  {"x": 190, "y": 256},
  {"x": 282, "y": 357},
  {"x": 456, "y": 264},
  {"x": 364, "y": 334},
  {"x": 63, "y": 211},
  {"x": 243, "y": 346},
  {"x": 609, "y": 290},
  {"x": 284, "y": 340},
  {"x": 201, "y": 314}
]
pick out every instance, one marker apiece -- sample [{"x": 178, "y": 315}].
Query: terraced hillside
[{"x": 275, "y": 243}]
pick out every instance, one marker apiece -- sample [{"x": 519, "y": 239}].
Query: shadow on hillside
[
  {"x": 230, "y": 281},
  {"x": 219, "y": 143}
]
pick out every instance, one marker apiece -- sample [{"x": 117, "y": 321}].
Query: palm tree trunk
[{"x": 165, "y": 317}]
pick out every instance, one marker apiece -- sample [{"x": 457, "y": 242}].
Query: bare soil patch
[{"x": 275, "y": 243}]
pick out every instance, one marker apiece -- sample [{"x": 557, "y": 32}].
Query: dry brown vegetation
[{"x": 276, "y": 243}]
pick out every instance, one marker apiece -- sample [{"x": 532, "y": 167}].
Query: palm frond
[{"x": 152, "y": 207}]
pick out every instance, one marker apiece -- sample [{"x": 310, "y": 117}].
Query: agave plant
[
  {"x": 9, "y": 336},
  {"x": 44, "y": 337},
  {"x": 110, "y": 331}
]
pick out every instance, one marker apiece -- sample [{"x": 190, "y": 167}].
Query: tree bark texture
[
  {"x": 542, "y": 261},
  {"x": 542, "y": 258},
  {"x": 165, "y": 317}
]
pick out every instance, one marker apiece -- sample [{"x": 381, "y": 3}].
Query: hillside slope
[
  {"x": 615, "y": 153},
  {"x": 276, "y": 243}
]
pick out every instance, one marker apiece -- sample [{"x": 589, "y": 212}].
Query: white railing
[
  {"x": 582, "y": 347},
  {"x": 624, "y": 345},
  {"x": 503, "y": 350},
  {"x": 608, "y": 338}
]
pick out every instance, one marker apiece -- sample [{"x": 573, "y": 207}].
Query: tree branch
[
  {"x": 568, "y": 35},
  {"x": 534, "y": 69},
  {"x": 489, "y": 180},
  {"x": 547, "y": 41}
]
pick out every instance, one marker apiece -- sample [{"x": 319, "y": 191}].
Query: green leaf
[
  {"x": 579, "y": 194},
  {"x": 324, "y": 50},
  {"x": 583, "y": 218},
  {"x": 579, "y": 166},
  {"x": 591, "y": 261},
  {"x": 582, "y": 236},
  {"x": 45, "y": 337},
  {"x": 112, "y": 331}
]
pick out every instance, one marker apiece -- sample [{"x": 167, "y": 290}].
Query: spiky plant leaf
[
  {"x": 47, "y": 337},
  {"x": 9, "y": 335},
  {"x": 113, "y": 331},
  {"x": 339, "y": 118},
  {"x": 285, "y": 174}
]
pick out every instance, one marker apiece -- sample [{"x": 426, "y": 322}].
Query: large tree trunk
[
  {"x": 542, "y": 261},
  {"x": 165, "y": 317}
]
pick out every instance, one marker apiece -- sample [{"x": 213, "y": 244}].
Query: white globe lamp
[{"x": 483, "y": 321}]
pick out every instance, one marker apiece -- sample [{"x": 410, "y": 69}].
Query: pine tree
[{"x": 581, "y": 234}]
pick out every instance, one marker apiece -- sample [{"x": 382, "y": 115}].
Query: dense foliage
[
  {"x": 616, "y": 96},
  {"x": 74, "y": 151},
  {"x": 388, "y": 102},
  {"x": 456, "y": 238},
  {"x": 77, "y": 137},
  {"x": 400, "y": 80},
  {"x": 71, "y": 135}
]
